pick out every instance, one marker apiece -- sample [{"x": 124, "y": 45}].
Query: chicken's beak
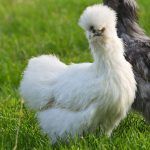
[{"x": 98, "y": 33}]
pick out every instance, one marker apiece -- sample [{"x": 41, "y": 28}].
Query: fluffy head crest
[{"x": 97, "y": 16}]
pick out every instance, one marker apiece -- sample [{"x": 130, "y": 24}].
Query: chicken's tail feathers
[
  {"x": 38, "y": 79},
  {"x": 48, "y": 63}
]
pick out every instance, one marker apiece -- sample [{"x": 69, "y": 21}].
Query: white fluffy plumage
[{"x": 70, "y": 99}]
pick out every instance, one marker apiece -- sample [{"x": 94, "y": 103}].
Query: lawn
[{"x": 33, "y": 27}]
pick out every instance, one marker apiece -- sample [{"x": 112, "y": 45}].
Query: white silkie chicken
[{"x": 74, "y": 98}]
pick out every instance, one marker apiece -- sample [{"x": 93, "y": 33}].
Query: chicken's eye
[
  {"x": 91, "y": 28},
  {"x": 103, "y": 29}
]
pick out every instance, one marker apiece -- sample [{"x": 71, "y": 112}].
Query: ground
[{"x": 33, "y": 27}]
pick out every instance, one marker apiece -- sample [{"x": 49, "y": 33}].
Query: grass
[{"x": 33, "y": 27}]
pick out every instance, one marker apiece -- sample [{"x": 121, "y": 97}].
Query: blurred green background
[{"x": 33, "y": 27}]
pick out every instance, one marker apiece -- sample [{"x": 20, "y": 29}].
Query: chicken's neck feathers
[{"x": 107, "y": 55}]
